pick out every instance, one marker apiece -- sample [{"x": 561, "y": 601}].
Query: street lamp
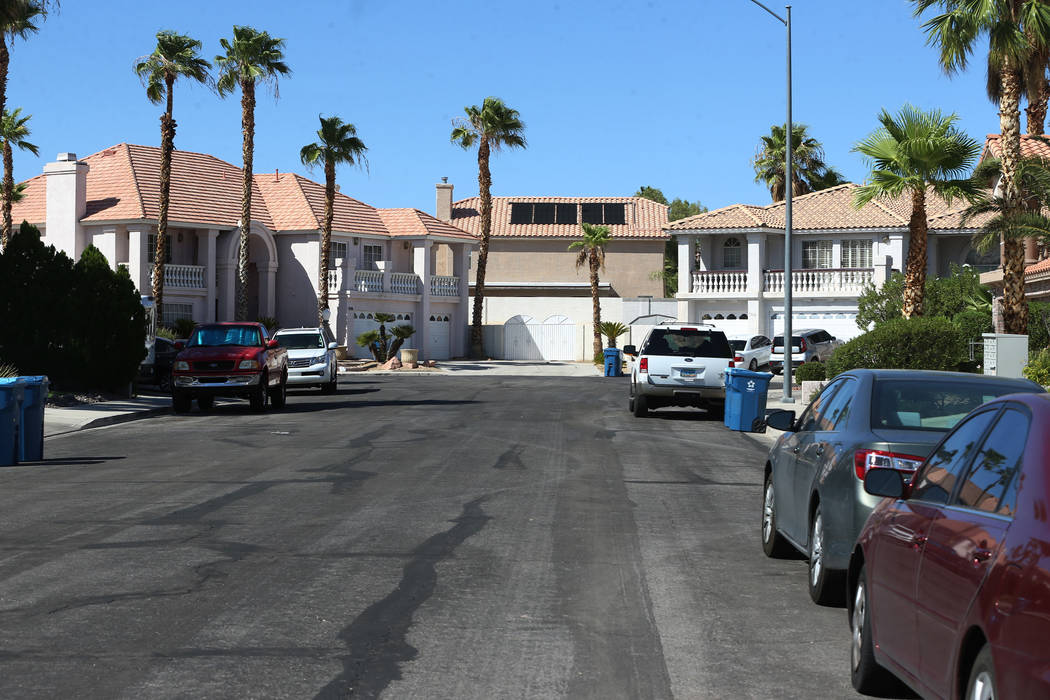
[{"x": 788, "y": 351}]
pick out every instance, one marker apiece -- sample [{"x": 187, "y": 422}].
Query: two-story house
[
  {"x": 735, "y": 259},
  {"x": 383, "y": 260}
]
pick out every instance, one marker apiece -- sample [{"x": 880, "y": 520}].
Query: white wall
[{"x": 497, "y": 310}]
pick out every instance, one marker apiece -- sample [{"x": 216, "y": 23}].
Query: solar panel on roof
[
  {"x": 543, "y": 214},
  {"x": 591, "y": 213},
  {"x": 566, "y": 214},
  {"x": 615, "y": 214},
  {"x": 520, "y": 213}
]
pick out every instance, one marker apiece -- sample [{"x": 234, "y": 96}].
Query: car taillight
[
  {"x": 802, "y": 344},
  {"x": 643, "y": 364},
  {"x": 739, "y": 359},
  {"x": 863, "y": 460}
]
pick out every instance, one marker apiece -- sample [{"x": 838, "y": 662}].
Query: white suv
[
  {"x": 311, "y": 357},
  {"x": 680, "y": 364}
]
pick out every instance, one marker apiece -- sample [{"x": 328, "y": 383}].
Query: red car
[{"x": 949, "y": 582}]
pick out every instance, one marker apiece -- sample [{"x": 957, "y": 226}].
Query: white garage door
[
  {"x": 841, "y": 324},
  {"x": 438, "y": 347}
]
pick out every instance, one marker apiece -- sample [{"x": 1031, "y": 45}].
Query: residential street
[{"x": 409, "y": 537}]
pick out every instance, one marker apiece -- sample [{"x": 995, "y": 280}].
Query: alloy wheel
[
  {"x": 983, "y": 688},
  {"x": 767, "y": 512},
  {"x": 860, "y": 604},
  {"x": 816, "y": 549}
]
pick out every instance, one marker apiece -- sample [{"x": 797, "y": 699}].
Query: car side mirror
[
  {"x": 272, "y": 344},
  {"x": 884, "y": 482},
  {"x": 630, "y": 350},
  {"x": 781, "y": 420},
  {"x": 333, "y": 345}
]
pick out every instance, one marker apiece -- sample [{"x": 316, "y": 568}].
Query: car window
[
  {"x": 836, "y": 411},
  {"x": 766, "y": 342},
  {"x": 164, "y": 345},
  {"x": 247, "y": 336},
  {"x": 811, "y": 419},
  {"x": 929, "y": 404},
  {"x": 300, "y": 341},
  {"x": 937, "y": 479},
  {"x": 738, "y": 345},
  {"x": 688, "y": 342},
  {"x": 991, "y": 484}
]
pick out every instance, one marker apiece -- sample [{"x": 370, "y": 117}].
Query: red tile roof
[
  {"x": 1036, "y": 268},
  {"x": 645, "y": 218},
  {"x": 413, "y": 222},
  {"x": 1031, "y": 146}
]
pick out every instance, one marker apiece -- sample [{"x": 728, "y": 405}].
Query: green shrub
[
  {"x": 270, "y": 322},
  {"x": 1038, "y": 325},
  {"x": 7, "y": 370},
  {"x": 1038, "y": 368},
  {"x": 916, "y": 343},
  {"x": 184, "y": 327},
  {"x": 165, "y": 332},
  {"x": 811, "y": 372}
]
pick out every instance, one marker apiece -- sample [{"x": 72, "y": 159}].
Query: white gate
[
  {"x": 525, "y": 339},
  {"x": 438, "y": 347}
]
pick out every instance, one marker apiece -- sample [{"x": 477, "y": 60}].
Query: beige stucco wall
[{"x": 628, "y": 264}]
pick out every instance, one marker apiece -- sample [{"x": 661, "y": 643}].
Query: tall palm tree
[
  {"x": 18, "y": 19},
  {"x": 337, "y": 143},
  {"x": 913, "y": 153},
  {"x": 14, "y": 131},
  {"x": 1006, "y": 224},
  {"x": 176, "y": 56},
  {"x": 491, "y": 126},
  {"x": 809, "y": 172},
  {"x": 591, "y": 253},
  {"x": 251, "y": 56},
  {"x": 1014, "y": 30}
]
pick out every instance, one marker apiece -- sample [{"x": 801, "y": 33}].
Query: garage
[
  {"x": 841, "y": 324},
  {"x": 439, "y": 336},
  {"x": 364, "y": 321}
]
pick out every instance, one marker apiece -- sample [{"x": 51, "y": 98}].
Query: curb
[{"x": 113, "y": 420}]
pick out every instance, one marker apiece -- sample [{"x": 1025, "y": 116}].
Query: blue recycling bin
[
  {"x": 31, "y": 427},
  {"x": 746, "y": 399},
  {"x": 11, "y": 390},
  {"x": 612, "y": 362}
]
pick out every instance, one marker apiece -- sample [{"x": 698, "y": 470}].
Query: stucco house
[
  {"x": 735, "y": 258},
  {"x": 383, "y": 260},
  {"x": 532, "y": 273}
]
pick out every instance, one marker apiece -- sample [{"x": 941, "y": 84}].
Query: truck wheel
[
  {"x": 205, "y": 403},
  {"x": 164, "y": 382},
  {"x": 641, "y": 406},
  {"x": 257, "y": 399},
  {"x": 331, "y": 386},
  {"x": 181, "y": 402},
  {"x": 279, "y": 396}
]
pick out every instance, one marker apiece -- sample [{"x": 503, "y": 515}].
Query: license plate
[{"x": 687, "y": 373}]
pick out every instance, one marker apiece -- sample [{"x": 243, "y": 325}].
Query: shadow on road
[{"x": 71, "y": 461}]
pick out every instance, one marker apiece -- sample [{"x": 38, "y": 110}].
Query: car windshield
[
  {"x": 300, "y": 341},
  {"x": 778, "y": 342},
  {"x": 924, "y": 404},
  {"x": 738, "y": 344},
  {"x": 687, "y": 342},
  {"x": 226, "y": 335}
]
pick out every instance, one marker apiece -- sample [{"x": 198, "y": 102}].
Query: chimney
[
  {"x": 66, "y": 204},
  {"x": 444, "y": 200}
]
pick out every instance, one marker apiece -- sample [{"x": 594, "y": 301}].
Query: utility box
[{"x": 1005, "y": 354}]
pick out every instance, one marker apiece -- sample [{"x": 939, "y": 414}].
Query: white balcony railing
[
  {"x": 368, "y": 281},
  {"x": 719, "y": 283},
  {"x": 181, "y": 276},
  {"x": 444, "y": 286},
  {"x": 335, "y": 281},
  {"x": 849, "y": 281},
  {"x": 404, "y": 283}
]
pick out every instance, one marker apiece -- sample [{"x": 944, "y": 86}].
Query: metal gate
[{"x": 526, "y": 339}]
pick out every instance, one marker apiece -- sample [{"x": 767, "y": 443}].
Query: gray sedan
[{"x": 814, "y": 498}]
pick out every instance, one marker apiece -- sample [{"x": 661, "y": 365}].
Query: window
[
  {"x": 372, "y": 254},
  {"x": 687, "y": 342},
  {"x": 602, "y": 213},
  {"x": 837, "y": 410},
  {"x": 151, "y": 248},
  {"x": 246, "y": 336},
  {"x": 926, "y": 404},
  {"x": 811, "y": 419},
  {"x": 991, "y": 484},
  {"x": 731, "y": 254},
  {"x": 936, "y": 481},
  {"x": 170, "y": 313},
  {"x": 544, "y": 213},
  {"x": 300, "y": 341},
  {"x": 816, "y": 255},
  {"x": 856, "y": 253},
  {"x": 336, "y": 252}
]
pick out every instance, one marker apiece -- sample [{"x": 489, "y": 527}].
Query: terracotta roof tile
[
  {"x": 1031, "y": 146},
  {"x": 413, "y": 222},
  {"x": 1036, "y": 268},
  {"x": 645, "y": 218}
]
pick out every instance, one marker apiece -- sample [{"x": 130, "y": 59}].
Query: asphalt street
[{"x": 409, "y": 537}]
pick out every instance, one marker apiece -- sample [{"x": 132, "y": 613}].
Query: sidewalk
[{"x": 59, "y": 421}]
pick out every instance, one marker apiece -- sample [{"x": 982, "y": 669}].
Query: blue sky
[{"x": 615, "y": 95}]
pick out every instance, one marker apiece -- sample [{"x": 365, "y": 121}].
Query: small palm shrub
[
  {"x": 165, "y": 332},
  {"x": 612, "y": 330},
  {"x": 933, "y": 343},
  {"x": 8, "y": 370},
  {"x": 1038, "y": 368},
  {"x": 270, "y": 322},
  {"x": 811, "y": 372}
]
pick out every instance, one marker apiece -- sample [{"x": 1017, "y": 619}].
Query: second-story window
[
  {"x": 336, "y": 252},
  {"x": 151, "y": 248},
  {"x": 856, "y": 253},
  {"x": 816, "y": 255},
  {"x": 732, "y": 258},
  {"x": 370, "y": 255}
]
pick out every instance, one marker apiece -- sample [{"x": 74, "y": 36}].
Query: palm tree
[
  {"x": 14, "y": 131},
  {"x": 592, "y": 254},
  {"x": 176, "y": 56},
  {"x": 492, "y": 126},
  {"x": 337, "y": 143},
  {"x": 399, "y": 334},
  {"x": 1006, "y": 224},
  {"x": 18, "y": 19},
  {"x": 1014, "y": 30},
  {"x": 809, "y": 172},
  {"x": 914, "y": 153},
  {"x": 252, "y": 56}
]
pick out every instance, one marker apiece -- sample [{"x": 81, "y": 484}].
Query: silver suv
[
  {"x": 680, "y": 364},
  {"x": 807, "y": 345}
]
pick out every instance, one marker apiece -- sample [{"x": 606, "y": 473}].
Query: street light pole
[{"x": 788, "y": 196}]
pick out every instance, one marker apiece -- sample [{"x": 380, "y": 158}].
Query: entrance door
[{"x": 438, "y": 346}]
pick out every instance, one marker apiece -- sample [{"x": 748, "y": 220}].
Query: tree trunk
[
  {"x": 326, "y": 238},
  {"x": 167, "y": 145},
  {"x": 5, "y": 62},
  {"x": 477, "y": 345},
  {"x": 915, "y": 268},
  {"x": 5, "y": 233},
  {"x": 247, "y": 152},
  {"x": 596, "y": 314},
  {"x": 1015, "y": 309},
  {"x": 9, "y": 193},
  {"x": 1036, "y": 110}
]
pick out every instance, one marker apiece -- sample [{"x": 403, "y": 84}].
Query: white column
[
  {"x": 836, "y": 253},
  {"x": 138, "y": 264},
  {"x": 756, "y": 318},
  {"x": 756, "y": 260},
  {"x": 686, "y": 248},
  {"x": 227, "y": 297},
  {"x": 268, "y": 289},
  {"x": 207, "y": 257},
  {"x": 684, "y": 309},
  {"x": 106, "y": 242},
  {"x": 883, "y": 269},
  {"x": 461, "y": 318},
  {"x": 421, "y": 259},
  {"x": 897, "y": 249}
]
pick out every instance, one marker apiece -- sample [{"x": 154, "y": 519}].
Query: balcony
[
  {"x": 444, "y": 286},
  {"x": 720, "y": 284},
  {"x": 181, "y": 276},
  {"x": 378, "y": 282},
  {"x": 820, "y": 283}
]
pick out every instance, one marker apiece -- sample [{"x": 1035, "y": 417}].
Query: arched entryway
[{"x": 262, "y": 274}]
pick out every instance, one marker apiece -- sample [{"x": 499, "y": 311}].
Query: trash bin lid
[
  {"x": 35, "y": 379},
  {"x": 611, "y": 351}
]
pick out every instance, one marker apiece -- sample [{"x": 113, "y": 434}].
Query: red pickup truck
[{"x": 229, "y": 359}]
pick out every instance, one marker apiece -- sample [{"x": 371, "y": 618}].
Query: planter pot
[
  {"x": 409, "y": 357},
  {"x": 341, "y": 353}
]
